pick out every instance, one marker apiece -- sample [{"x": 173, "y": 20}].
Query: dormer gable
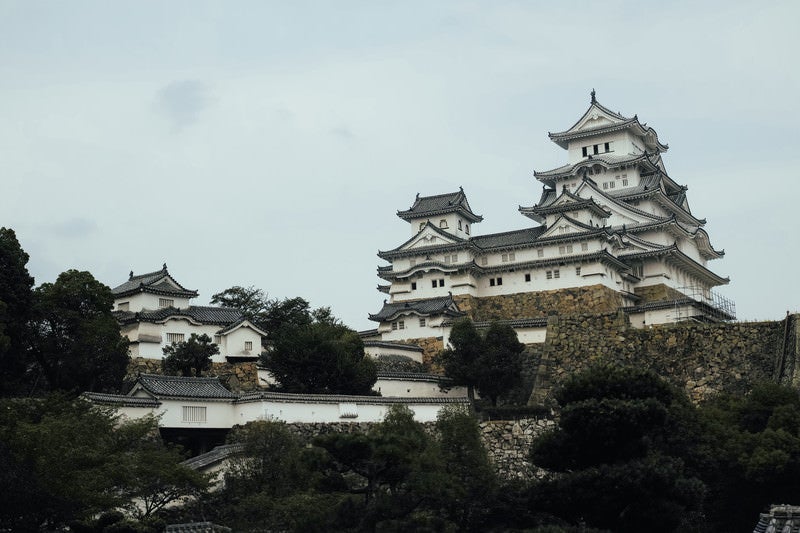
[{"x": 152, "y": 290}]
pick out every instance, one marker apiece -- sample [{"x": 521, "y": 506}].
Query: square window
[
  {"x": 248, "y": 345},
  {"x": 484, "y": 261},
  {"x": 443, "y": 224},
  {"x": 527, "y": 277},
  {"x": 447, "y": 260},
  {"x": 569, "y": 248},
  {"x": 540, "y": 252},
  {"x": 584, "y": 246}
]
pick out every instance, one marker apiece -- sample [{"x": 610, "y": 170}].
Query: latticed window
[
  {"x": 193, "y": 413},
  {"x": 248, "y": 345},
  {"x": 166, "y": 302},
  {"x": 173, "y": 338}
]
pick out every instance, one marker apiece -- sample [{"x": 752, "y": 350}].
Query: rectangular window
[
  {"x": 584, "y": 151},
  {"x": 466, "y": 228},
  {"x": 549, "y": 274},
  {"x": 422, "y": 322},
  {"x": 504, "y": 258},
  {"x": 556, "y": 273},
  {"x": 443, "y": 224},
  {"x": 596, "y": 149},
  {"x": 173, "y": 338},
  {"x": 441, "y": 283},
  {"x": 455, "y": 258},
  {"x": 412, "y": 262},
  {"x": 539, "y": 252},
  {"x": 123, "y": 306},
  {"x": 624, "y": 182},
  {"x": 166, "y": 302},
  {"x": 394, "y": 326},
  {"x": 217, "y": 339},
  {"x": 194, "y": 414},
  {"x": 527, "y": 277},
  {"x": 447, "y": 260},
  {"x": 577, "y": 271},
  {"x": 605, "y": 185},
  {"x": 611, "y": 184},
  {"x": 499, "y": 281},
  {"x": 584, "y": 246},
  {"x": 491, "y": 282},
  {"x": 565, "y": 249},
  {"x": 248, "y": 345},
  {"x": 413, "y": 285},
  {"x": 401, "y": 324},
  {"x": 608, "y": 147},
  {"x": 433, "y": 283},
  {"x": 484, "y": 261}
]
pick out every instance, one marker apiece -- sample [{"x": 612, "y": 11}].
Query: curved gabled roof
[
  {"x": 613, "y": 122},
  {"x": 608, "y": 161},
  {"x": 428, "y": 226},
  {"x": 443, "y": 305},
  {"x": 440, "y": 204},
  {"x": 159, "y": 282},
  {"x": 183, "y": 387},
  {"x": 571, "y": 203},
  {"x": 198, "y": 314}
]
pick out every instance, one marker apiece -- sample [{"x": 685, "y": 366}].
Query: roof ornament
[
  {"x": 130, "y": 276},
  {"x": 164, "y": 267},
  {"x": 594, "y": 100}
]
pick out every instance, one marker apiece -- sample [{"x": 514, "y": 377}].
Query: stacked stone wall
[
  {"x": 238, "y": 377},
  {"x": 430, "y": 347},
  {"x": 658, "y": 293},
  {"x": 595, "y": 299},
  {"x": 507, "y": 442},
  {"x": 704, "y": 359}
]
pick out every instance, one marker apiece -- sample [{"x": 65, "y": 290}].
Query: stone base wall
[
  {"x": 238, "y": 377},
  {"x": 507, "y": 442},
  {"x": 595, "y": 299},
  {"x": 704, "y": 359},
  {"x": 431, "y": 346},
  {"x": 657, "y": 293}
]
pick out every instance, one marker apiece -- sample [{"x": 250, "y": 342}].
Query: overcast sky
[{"x": 272, "y": 143}]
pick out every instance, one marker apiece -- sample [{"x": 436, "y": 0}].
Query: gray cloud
[
  {"x": 343, "y": 133},
  {"x": 181, "y": 102}
]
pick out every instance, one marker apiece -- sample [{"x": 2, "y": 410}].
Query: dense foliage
[
  {"x": 321, "y": 358},
  {"x": 492, "y": 364},
  {"x": 67, "y": 461},
  {"x": 192, "y": 355},
  {"x": 76, "y": 339},
  {"x": 16, "y": 307}
]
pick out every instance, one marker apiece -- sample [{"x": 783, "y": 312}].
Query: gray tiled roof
[
  {"x": 393, "y": 345},
  {"x": 217, "y": 454},
  {"x": 337, "y": 398},
  {"x": 609, "y": 160},
  {"x": 182, "y": 387},
  {"x": 440, "y": 204},
  {"x": 412, "y": 376},
  {"x": 427, "y": 307},
  {"x": 154, "y": 282},
  {"x": 508, "y": 238},
  {"x": 120, "y": 400},
  {"x": 538, "y": 322},
  {"x": 222, "y": 316}
]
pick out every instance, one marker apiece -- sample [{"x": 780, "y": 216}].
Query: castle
[{"x": 614, "y": 233}]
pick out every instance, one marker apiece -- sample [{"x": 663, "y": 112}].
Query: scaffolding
[{"x": 703, "y": 305}]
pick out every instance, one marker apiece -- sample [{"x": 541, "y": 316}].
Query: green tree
[
  {"x": 72, "y": 460},
  {"x": 613, "y": 454},
  {"x": 320, "y": 358},
  {"x": 492, "y": 364},
  {"x": 462, "y": 360},
  {"x": 500, "y": 362},
  {"x": 252, "y": 302},
  {"x": 16, "y": 307},
  {"x": 472, "y": 482},
  {"x": 190, "y": 355},
  {"x": 76, "y": 339},
  {"x": 752, "y": 453}
]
